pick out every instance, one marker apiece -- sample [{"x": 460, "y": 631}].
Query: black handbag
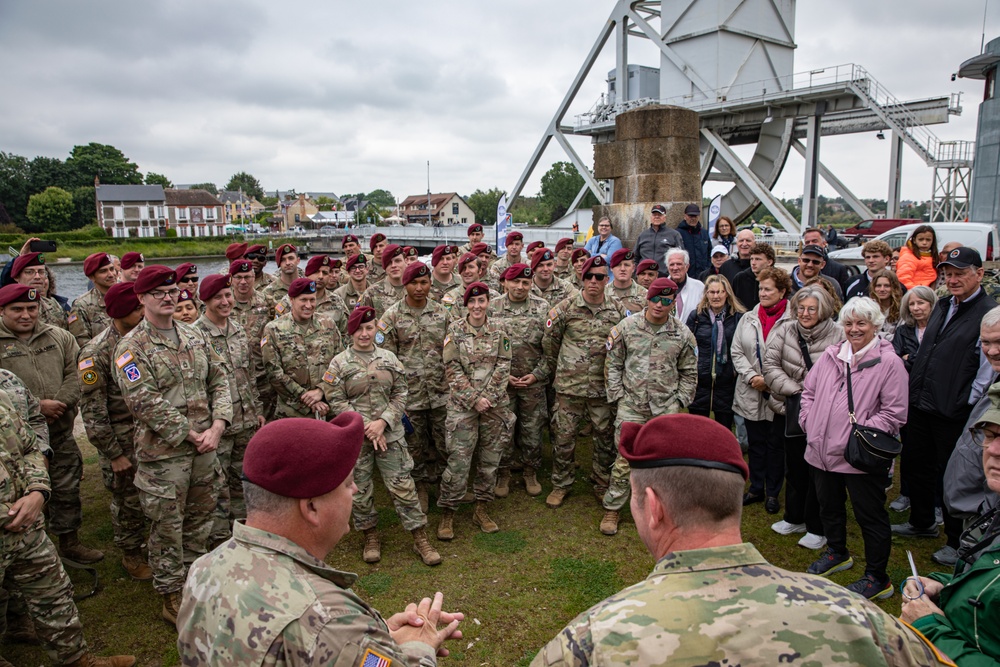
[
  {"x": 869, "y": 449},
  {"x": 793, "y": 403}
]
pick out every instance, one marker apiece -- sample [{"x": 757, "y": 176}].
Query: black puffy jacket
[{"x": 717, "y": 396}]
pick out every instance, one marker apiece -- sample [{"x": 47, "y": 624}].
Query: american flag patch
[
  {"x": 329, "y": 377},
  {"x": 263, "y": 341},
  {"x": 124, "y": 359},
  {"x": 373, "y": 659},
  {"x": 86, "y": 363},
  {"x": 71, "y": 318}
]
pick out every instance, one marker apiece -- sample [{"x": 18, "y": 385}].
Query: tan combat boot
[
  {"x": 423, "y": 496},
  {"x": 468, "y": 498},
  {"x": 70, "y": 548},
  {"x": 136, "y": 565},
  {"x": 373, "y": 548},
  {"x": 422, "y": 547},
  {"x": 446, "y": 529},
  {"x": 91, "y": 660},
  {"x": 531, "y": 483},
  {"x": 502, "y": 489},
  {"x": 171, "y": 607},
  {"x": 483, "y": 520},
  {"x": 609, "y": 524},
  {"x": 556, "y": 498}
]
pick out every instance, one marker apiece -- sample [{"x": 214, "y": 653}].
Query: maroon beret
[
  {"x": 256, "y": 248},
  {"x": 622, "y": 255},
  {"x": 185, "y": 269},
  {"x": 515, "y": 236},
  {"x": 442, "y": 250},
  {"x": 479, "y": 249},
  {"x": 375, "y": 240},
  {"x": 578, "y": 253},
  {"x": 132, "y": 258},
  {"x": 349, "y": 238},
  {"x": 475, "y": 289},
  {"x": 648, "y": 265},
  {"x": 562, "y": 243},
  {"x": 120, "y": 300},
  {"x": 95, "y": 262},
  {"x": 185, "y": 295},
  {"x": 17, "y": 293},
  {"x": 534, "y": 244},
  {"x": 541, "y": 255},
  {"x": 465, "y": 259},
  {"x": 24, "y": 261},
  {"x": 519, "y": 270},
  {"x": 390, "y": 252},
  {"x": 661, "y": 287},
  {"x": 234, "y": 251},
  {"x": 595, "y": 261},
  {"x": 356, "y": 259},
  {"x": 304, "y": 458},
  {"x": 240, "y": 266},
  {"x": 282, "y": 249},
  {"x": 301, "y": 286},
  {"x": 359, "y": 316},
  {"x": 474, "y": 228},
  {"x": 153, "y": 276},
  {"x": 336, "y": 263},
  {"x": 214, "y": 284},
  {"x": 682, "y": 440},
  {"x": 414, "y": 271},
  {"x": 315, "y": 262},
  {"x": 410, "y": 251}
]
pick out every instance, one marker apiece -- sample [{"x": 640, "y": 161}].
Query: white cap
[{"x": 720, "y": 248}]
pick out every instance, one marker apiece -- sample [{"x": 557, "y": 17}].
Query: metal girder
[
  {"x": 588, "y": 177},
  {"x": 856, "y": 204},
  {"x": 672, "y": 55},
  {"x": 895, "y": 176}
]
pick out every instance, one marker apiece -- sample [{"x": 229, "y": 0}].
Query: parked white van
[{"x": 981, "y": 236}]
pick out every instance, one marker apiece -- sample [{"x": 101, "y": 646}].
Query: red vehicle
[{"x": 869, "y": 229}]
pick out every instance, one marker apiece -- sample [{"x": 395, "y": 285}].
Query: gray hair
[
  {"x": 259, "y": 500},
  {"x": 678, "y": 251},
  {"x": 864, "y": 308},
  {"x": 746, "y": 231},
  {"x": 823, "y": 300},
  {"x": 921, "y": 292},
  {"x": 991, "y": 318},
  {"x": 695, "y": 497}
]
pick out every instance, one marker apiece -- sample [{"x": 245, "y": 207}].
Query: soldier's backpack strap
[{"x": 73, "y": 565}]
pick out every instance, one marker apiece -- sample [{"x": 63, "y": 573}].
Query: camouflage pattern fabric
[
  {"x": 261, "y": 599},
  {"x": 568, "y": 413},
  {"x": 381, "y": 295},
  {"x": 24, "y": 403},
  {"x": 272, "y": 294},
  {"x": 51, "y": 312},
  {"x": 263, "y": 280},
  {"x": 564, "y": 272},
  {"x": 350, "y": 296},
  {"x": 728, "y": 606},
  {"x": 558, "y": 290},
  {"x": 499, "y": 267},
  {"x": 253, "y": 316},
  {"x": 329, "y": 305},
  {"x": 447, "y": 294},
  {"x": 296, "y": 356},
  {"x": 87, "y": 317},
  {"x": 375, "y": 270},
  {"x": 632, "y": 300}
]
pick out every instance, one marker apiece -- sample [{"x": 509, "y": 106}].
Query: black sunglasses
[
  {"x": 256, "y": 255},
  {"x": 595, "y": 276}
]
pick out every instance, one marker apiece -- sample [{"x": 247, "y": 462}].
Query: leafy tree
[
  {"x": 209, "y": 187},
  {"x": 84, "y": 207},
  {"x": 103, "y": 161},
  {"x": 268, "y": 201},
  {"x": 247, "y": 183},
  {"x": 560, "y": 185},
  {"x": 158, "y": 179},
  {"x": 323, "y": 200},
  {"x": 484, "y": 205},
  {"x": 50, "y": 211},
  {"x": 15, "y": 186},
  {"x": 44, "y": 172},
  {"x": 381, "y": 198}
]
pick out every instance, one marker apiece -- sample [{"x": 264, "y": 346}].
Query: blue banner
[{"x": 503, "y": 225}]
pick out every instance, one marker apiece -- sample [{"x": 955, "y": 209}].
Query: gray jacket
[
  {"x": 965, "y": 488},
  {"x": 654, "y": 243}
]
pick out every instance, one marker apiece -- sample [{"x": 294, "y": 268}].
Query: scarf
[
  {"x": 719, "y": 347},
  {"x": 770, "y": 316}
]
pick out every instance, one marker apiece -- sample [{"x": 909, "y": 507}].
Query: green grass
[{"x": 518, "y": 587}]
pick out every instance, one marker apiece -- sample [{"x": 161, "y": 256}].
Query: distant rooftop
[
  {"x": 191, "y": 198},
  {"x": 130, "y": 193}
]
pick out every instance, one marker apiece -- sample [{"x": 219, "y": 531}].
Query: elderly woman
[
  {"x": 880, "y": 392},
  {"x": 767, "y": 459},
  {"x": 914, "y": 311},
  {"x": 886, "y": 290},
  {"x": 714, "y": 325},
  {"x": 795, "y": 346}
]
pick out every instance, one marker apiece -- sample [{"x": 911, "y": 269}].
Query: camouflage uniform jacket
[
  {"x": 87, "y": 317},
  {"x": 110, "y": 426},
  {"x": 498, "y": 268},
  {"x": 350, "y": 296},
  {"x": 373, "y": 385},
  {"x": 22, "y": 469},
  {"x": 260, "y": 599},
  {"x": 445, "y": 292},
  {"x": 574, "y": 345},
  {"x": 381, "y": 295},
  {"x": 477, "y": 364},
  {"x": 296, "y": 355},
  {"x": 416, "y": 337},
  {"x": 558, "y": 290},
  {"x": 329, "y": 306},
  {"x": 525, "y": 322},
  {"x": 51, "y": 312},
  {"x": 232, "y": 345},
  {"x": 728, "y": 606},
  {"x": 564, "y": 272},
  {"x": 46, "y": 364},
  {"x": 651, "y": 372},
  {"x": 170, "y": 388},
  {"x": 273, "y": 293},
  {"x": 457, "y": 310},
  {"x": 375, "y": 270},
  {"x": 25, "y": 403},
  {"x": 632, "y": 299},
  {"x": 263, "y": 280}
]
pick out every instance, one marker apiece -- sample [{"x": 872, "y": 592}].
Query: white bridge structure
[{"x": 732, "y": 62}]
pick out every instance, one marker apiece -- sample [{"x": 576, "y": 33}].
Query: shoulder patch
[
  {"x": 126, "y": 358},
  {"x": 506, "y": 344},
  {"x": 615, "y": 333},
  {"x": 132, "y": 372},
  {"x": 263, "y": 341},
  {"x": 89, "y": 377},
  {"x": 447, "y": 339},
  {"x": 553, "y": 314},
  {"x": 379, "y": 337},
  {"x": 370, "y": 658},
  {"x": 86, "y": 363},
  {"x": 280, "y": 308},
  {"x": 382, "y": 326},
  {"x": 72, "y": 318},
  {"x": 329, "y": 377}
]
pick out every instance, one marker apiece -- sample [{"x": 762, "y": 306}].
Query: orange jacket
[{"x": 912, "y": 270}]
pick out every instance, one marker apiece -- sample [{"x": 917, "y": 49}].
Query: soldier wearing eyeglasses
[{"x": 29, "y": 269}]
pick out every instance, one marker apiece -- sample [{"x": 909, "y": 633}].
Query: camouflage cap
[
  {"x": 414, "y": 271},
  {"x": 214, "y": 284},
  {"x": 94, "y": 262},
  {"x": 375, "y": 240},
  {"x": 475, "y": 289},
  {"x": 682, "y": 440},
  {"x": 540, "y": 255},
  {"x": 519, "y": 270},
  {"x": 390, "y": 252},
  {"x": 622, "y": 255},
  {"x": 24, "y": 261},
  {"x": 359, "y": 316},
  {"x": 315, "y": 262},
  {"x": 301, "y": 286},
  {"x": 120, "y": 300},
  {"x": 17, "y": 293},
  {"x": 153, "y": 276}
]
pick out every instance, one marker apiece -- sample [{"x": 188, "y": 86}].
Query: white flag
[
  {"x": 714, "y": 211},
  {"x": 503, "y": 223}
]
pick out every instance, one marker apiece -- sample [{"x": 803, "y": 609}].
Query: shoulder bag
[
  {"x": 869, "y": 449},
  {"x": 793, "y": 403}
]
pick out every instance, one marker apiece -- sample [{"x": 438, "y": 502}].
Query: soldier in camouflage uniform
[
  {"x": 522, "y": 313},
  {"x": 446, "y": 286},
  {"x": 646, "y": 273},
  {"x": 352, "y": 248},
  {"x": 515, "y": 243},
  {"x": 297, "y": 349},
  {"x": 475, "y": 234},
  {"x": 477, "y": 364},
  {"x": 712, "y": 599},
  {"x": 267, "y": 597},
  {"x": 175, "y": 386},
  {"x": 334, "y": 279},
  {"x": 228, "y": 339},
  {"x": 257, "y": 255},
  {"x": 328, "y": 305},
  {"x": 580, "y": 257},
  {"x": 287, "y": 258},
  {"x": 651, "y": 370},
  {"x": 575, "y": 333},
  {"x": 414, "y": 330},
  {"x": 29, "y": 269},
  {"x": 410, "y": 254},
  {"x": 250, "y": 311},
  {"x": 544, "y": 283},
  {"x": 111, "y": 428},
  {"x": 563, "y": 268},
  {"x": 468, "y": 273},
  {"x": 372, "y": 382},
  {"x": 629, "y": 295},
  {"x": 389, "y": 290},
  {"x": 87, "y": 317},
  {"x": 377, "y": 244},
  {"x": 132, "y": 263},
  {"x": 357, "y": 282}
]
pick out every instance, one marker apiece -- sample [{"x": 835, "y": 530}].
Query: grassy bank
[{"x": 517, "y": 587}]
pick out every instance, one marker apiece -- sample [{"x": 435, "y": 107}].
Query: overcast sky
[{"x": 352, "y": 96}]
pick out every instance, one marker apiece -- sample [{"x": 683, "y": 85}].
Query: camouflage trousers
[
  {"x": 620, "y": 489},
  {"x": 525, "y": 445},
  {"x": 427, "y": 443},
  {"x": 64, "y": 511},
  {"x": 568, "y": 412},
  {"x": 178, "y": 497},
  {"x": 232, "y": 448},
  {"x": 471, "y": 433},
  {"x": 394, "y": 465},
  {"x": 127, "y": 519},
  {"x": 29, "y": 560}
]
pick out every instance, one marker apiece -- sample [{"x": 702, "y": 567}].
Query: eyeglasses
[
  {"x": 983, "y": 437},
  {"x": 256, "y": 255},
  {"x": 160, "y": 295},
  {"x": 589, "y": 275},
  {"x": 33, "y": 273},
  {"x": 663, "y": 300},
  {"x": 188, "y": 279},
  {"x": 243, "y": 277},
  {"x": 806, "y": 260},
  {"x": 358, "y": 267},
  {"x": 804, "y": 310}
]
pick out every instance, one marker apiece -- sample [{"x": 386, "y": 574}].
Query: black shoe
[
  {"x": 909, "y": 530},
  {"x": 831, "y": 562},
  {"x": 870, "y": 588},
  {"x": 771, "y": 505},
  {"x": 751, "y": 498}
]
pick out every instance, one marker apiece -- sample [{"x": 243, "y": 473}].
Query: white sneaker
[
  {"x": 784, "y": 528},
  {"x": 811, "y": 541},
  {"x": 939, "y": 516},
  {"x": 900, "y": 504}
]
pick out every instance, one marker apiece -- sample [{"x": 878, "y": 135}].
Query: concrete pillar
[
  {"x": 811, "y": 184},
  {"x": 895, "y": 176}
]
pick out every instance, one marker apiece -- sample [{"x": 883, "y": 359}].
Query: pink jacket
[{"x": 881, "y": 396}]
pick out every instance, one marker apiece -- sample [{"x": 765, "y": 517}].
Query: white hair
[
  {"x": 864, "y": 308},
  {"x": 678, "y": 251},
  {"x": 991, "y": 318},
  {"x": 746, "y": 231}
]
